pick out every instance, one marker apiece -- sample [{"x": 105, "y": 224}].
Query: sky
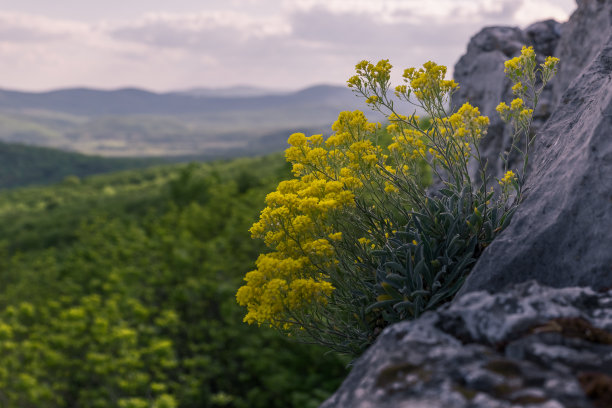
[{"x": 163, "y": 45}]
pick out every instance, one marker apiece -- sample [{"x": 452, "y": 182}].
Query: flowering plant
[
  {"x": 529, "y": 81},
  {"x": 360, "y": 237}
]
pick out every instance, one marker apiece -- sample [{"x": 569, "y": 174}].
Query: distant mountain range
[
  {"x": 232, "y": 91},
  {"x": 133, "y": 101},
  {"x": 136, "y": 122}
]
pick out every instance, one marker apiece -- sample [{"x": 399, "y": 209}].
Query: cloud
[
  {"x": 365, "y": 31},
  {"x": 286, "y": 43},
  {"x": 503, "y": 11},
  {"x": 19, "y": 27},
  {"x": 303, "y": 33},
  {"x": 543, "y": 10},
  {"x": 200, "y": 29}
]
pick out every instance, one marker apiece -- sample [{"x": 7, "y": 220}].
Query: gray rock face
[
  {"x": 583, "y": 36},
  {"x": 506, "y": 341},
  {"x": 480, "y": 71},
  {"x": 561, "y": 234},
  {"x": 532, "y": 346},
  {"x": 482, "y": 82}
]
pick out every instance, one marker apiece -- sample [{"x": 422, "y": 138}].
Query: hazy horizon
[
  {"x": 284, "y": 45},
  {"x": 262, "y": 89}
]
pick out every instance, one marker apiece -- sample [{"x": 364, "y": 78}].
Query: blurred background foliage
[{"x": 118, "y": 291}]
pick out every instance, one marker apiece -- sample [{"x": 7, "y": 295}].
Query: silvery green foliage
[{"x": 423, "y": 266}]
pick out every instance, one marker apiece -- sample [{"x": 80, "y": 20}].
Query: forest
[{"x": 118, "y": 290}]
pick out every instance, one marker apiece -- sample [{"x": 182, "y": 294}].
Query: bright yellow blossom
[
  {"x": 502, "y": 107},
  {"x": 508, "y": 178},
  {"x": 517, "y": 104}
]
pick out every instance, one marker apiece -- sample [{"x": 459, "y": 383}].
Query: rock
[
  {"x": 482, "y": 82},
  {"x": 582, "y": 38},
  {"x": 561, "y": 233},
  {"x": 506, "y": 340},
  {"x": 531, "y": 346}
]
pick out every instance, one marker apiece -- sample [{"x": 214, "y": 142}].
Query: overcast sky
[{"x": 288, "y": 44}]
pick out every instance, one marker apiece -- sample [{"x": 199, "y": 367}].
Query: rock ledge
[{"x": 532, "y": 346}]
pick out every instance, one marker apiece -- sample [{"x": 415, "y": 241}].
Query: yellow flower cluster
[
  {"x": 369, "y": 76},
  {"x": 549, "y": 68},
  {"x": 517, "y": 109},
  {"x": 516, "y": 66},
  {"x": 456, "y": 135},
  {"x": 467, "y": 122},
  {"x": 448, "y": 141},
  {"x": 350, "y": 196},
  {"x": 519, "y": 88},
  {"x": 371, "y": 99},
  {"x": 407, "y": 145},
  {"x": 276, "y": 286},
  {"x": 522, "y": 71},
  {"x": 517, "y": 104},
  {"x": 427, "y": 82},
  {"x": 298, "y": 222},
  {"x": 381, "y": 72},
  {"x": 550, "y": 62},
  {"x": 508, "y": 178}
]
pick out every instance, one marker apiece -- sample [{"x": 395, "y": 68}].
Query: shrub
[{"x": 358, "y": 239}]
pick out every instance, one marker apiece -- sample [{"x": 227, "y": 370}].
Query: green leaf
[
  {"x": 395, "y": 266},
  {"x": 380, "y": 305}
]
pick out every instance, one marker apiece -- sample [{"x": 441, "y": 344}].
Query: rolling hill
[
  {"x": 23, "y": 165},
  {"x": 134, "y": 122}
]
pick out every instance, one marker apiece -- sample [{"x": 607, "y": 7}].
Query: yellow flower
[
  {"x": 401, "y": 90},
  {"x": 429, "y": 80},
  {"x": 516, "y": 104},
  {"x": 315, "y": 140},
  {"x": 354, "y": 81},
  {"x": 337, "y": 236},
  {"x": 508, "y": 178},
  {"x": 297, "y": 139},
  {"x": 390, "y": 188},
  {"x": 527, "y": 52},
  {"x": 518, "y": 88},
  {"x": 525, "y": 114},
  {"x": 372, "y": 99},
  {"x": 512, "y": 64},
  {"x": 502, "y": 108},
  {"x": 551, "y": 62}
]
